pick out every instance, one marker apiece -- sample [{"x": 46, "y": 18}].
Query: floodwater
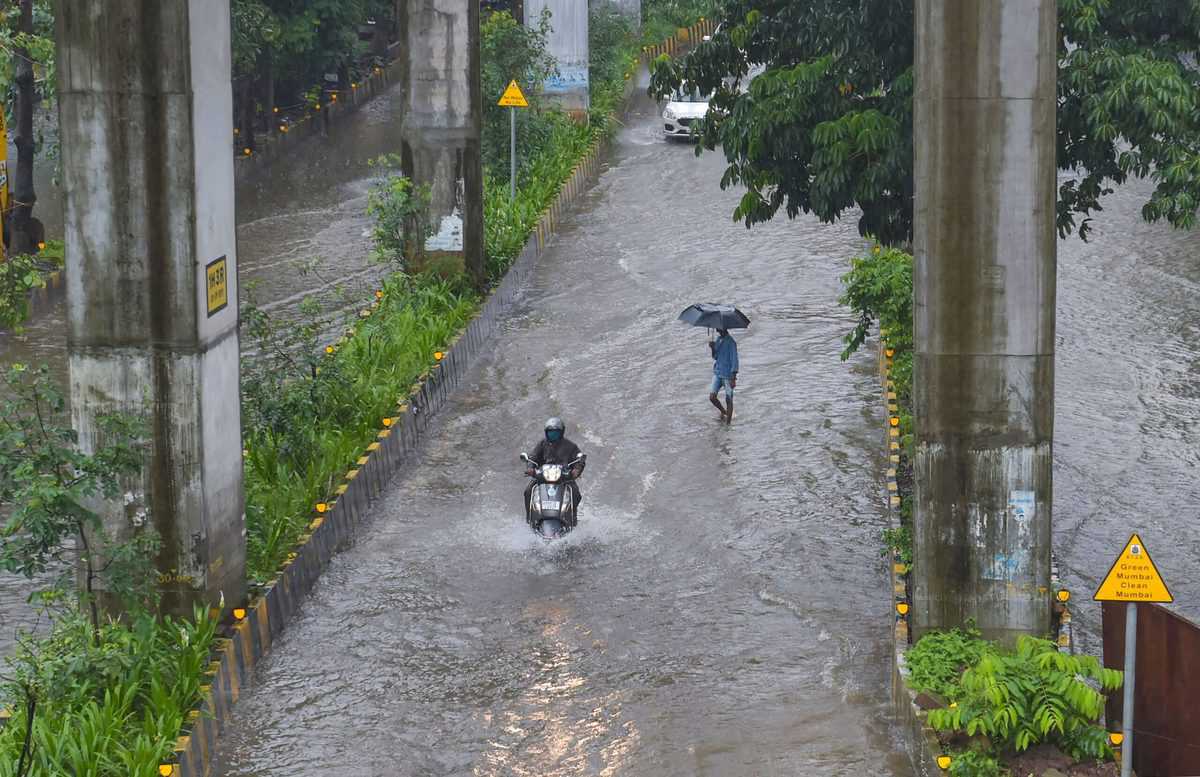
[
  {"x": 723, "y": 608},
  {"x": 302, "y": 231},
  {"x": 1127, "y": 413}
]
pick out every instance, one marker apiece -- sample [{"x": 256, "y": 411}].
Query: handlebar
[{"x": 579, "y": 461}]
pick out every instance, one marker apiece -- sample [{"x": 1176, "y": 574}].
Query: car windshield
[{"x": 689, "y": 97}]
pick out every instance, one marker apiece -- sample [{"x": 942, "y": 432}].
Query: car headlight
[{"x": 668, "y": 113}]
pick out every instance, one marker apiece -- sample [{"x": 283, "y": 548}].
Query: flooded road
[
  {"x": 723, "y": 607},
  {"x": 302, "y": 230},
  {"x": 1127, "y": 415}
]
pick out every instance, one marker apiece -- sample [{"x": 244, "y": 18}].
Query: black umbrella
[{"x": 714, "y": 316}]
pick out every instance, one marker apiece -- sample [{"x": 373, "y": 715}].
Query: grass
[
  {"x": 292, "y": 466},
  {"x": 111, "y": 707}
]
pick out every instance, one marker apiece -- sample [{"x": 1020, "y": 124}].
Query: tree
[
  {"x": 827, "y": 125},
  {"x": 26, "y": 36},
  {"x": 296, "y": 42},
  {"x": 253, "y": 28},
  {"x": 509, "y": 51},
  {"x": 50, "y": 486}
]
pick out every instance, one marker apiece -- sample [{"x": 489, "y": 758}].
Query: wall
[{"x": 1166, "y": 721}]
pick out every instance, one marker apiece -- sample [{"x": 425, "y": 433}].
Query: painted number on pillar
[{"x": 218, "y": 286}]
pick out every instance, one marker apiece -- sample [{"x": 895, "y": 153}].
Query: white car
[{"x": 682, "y": 111}]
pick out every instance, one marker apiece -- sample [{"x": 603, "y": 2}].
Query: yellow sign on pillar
[
  {"x": 1134, "y": 578},
  {"x": 218, "y": 286},
  {"x": 513, "y": 97}
]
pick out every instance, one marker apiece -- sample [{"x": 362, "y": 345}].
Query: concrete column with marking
[
  {"x": 984, "y": 287},
  {"x": 568, "y": 44},
  {"x": 443, "y": 124},
  {"x": 145, "y": 111}
]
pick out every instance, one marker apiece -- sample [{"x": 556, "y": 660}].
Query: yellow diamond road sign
[
  {"x": 512, "y": 97},
  {"x": 1133, "y": 578}
]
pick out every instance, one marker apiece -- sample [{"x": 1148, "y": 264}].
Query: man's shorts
[{"x": 717, "y": 382}]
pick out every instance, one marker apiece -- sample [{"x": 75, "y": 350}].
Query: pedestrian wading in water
[{"x": 725, "y": 370}]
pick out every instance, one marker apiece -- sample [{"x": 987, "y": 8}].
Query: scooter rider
[{"x": 555, "y": 449}]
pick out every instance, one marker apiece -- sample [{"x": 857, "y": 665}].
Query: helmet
[{"x": 555, "y": 429}]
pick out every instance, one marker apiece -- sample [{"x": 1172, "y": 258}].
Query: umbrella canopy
[{"x": 714, "y": 316}]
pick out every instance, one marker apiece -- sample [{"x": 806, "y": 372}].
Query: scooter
[{"x": 552, "y": 511}]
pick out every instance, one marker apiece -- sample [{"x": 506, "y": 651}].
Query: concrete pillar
[
  {"x": 442, "y": 125},
  {"x": 984, "y": 314},
  {"x": 568, "y": 45},
  {"x": 145, "y": 110}
]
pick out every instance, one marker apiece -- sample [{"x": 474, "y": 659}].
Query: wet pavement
[{"x": 723, "y": 608}]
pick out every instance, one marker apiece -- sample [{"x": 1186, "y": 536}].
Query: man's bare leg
[{"x": 717, "y": 404}]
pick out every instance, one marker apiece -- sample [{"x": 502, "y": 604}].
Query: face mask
[{"x": 553, "y": 435}]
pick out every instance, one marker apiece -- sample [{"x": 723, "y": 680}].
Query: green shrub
[
  {"x": 609, "y": 32},
  {"x": 507, "y": 223},
  {"x": 899, "y": 541},
  {"x": 399, "y": 209},
  {"x": 307, "y": 418},
  {"x": 18, "y": 276},
  {"x": 937, "y": 661},
  {"x": 510, "y": 51},
  {"x": 110, "y": 705},
  {"x": 879, "y": 288},
  {"x": 1031, "y": 695},
  {"x": 49, "y": 487},
  {"x": 53, "y": 252},
  {"x": 95, "y": 697},
  {"x": 973, "y": 763},
  {"x": 661, "y": 18}
]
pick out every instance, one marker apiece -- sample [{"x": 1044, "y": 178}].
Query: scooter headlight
[{"x": 552, "y": 473}]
